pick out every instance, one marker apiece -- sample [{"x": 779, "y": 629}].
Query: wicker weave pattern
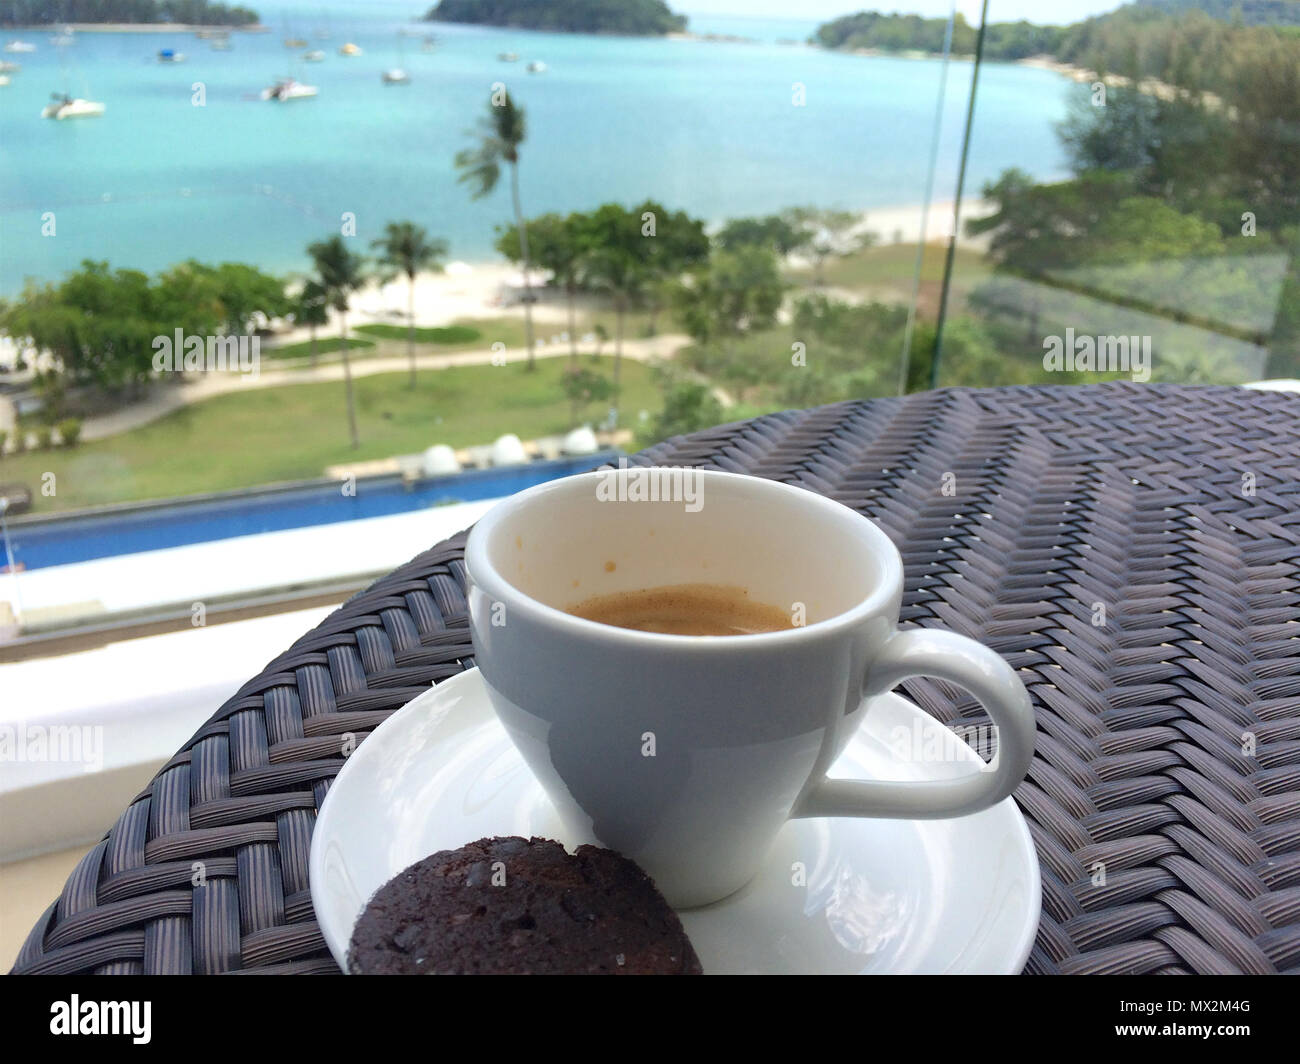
[{"x": 1127, "y": 496}]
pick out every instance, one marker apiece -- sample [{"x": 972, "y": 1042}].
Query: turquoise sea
[{"x": 704, "y": 126}]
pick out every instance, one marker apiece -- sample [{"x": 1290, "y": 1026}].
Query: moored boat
[
  {"x": 64, "y": 106},
  {"x": 289, "y": 89}
]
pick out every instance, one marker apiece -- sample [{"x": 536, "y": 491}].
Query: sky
[{"x": 1055, "y": 12}]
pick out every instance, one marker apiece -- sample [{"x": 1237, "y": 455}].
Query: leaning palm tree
[
  {"x": 405, "y": 248},
  {"x": 340, "y": 273},
  {"x": 500, "y": 133}
]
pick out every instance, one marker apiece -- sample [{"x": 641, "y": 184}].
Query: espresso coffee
[{"x": 685, "y": 609}]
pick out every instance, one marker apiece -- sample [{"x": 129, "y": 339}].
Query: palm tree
[
  {"x": 500, "y": 134},
  {"x": 341, "y": 273},
  {"x": 405, "y": 248},
  {"x": 312, "y": 310}
]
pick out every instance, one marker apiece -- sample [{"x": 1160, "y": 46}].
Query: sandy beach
[{"x": 1160, "y": 89}]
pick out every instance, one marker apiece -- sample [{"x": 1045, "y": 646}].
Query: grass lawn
[
  {"x": 324, "y": 345},
  {"x": 887, "y": 271},
  {"x": 442, "y": 334},
  {"x": 293, "y": 432}
]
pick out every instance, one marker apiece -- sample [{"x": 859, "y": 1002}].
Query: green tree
[
  {"x": 827, "y": 234},
  {"x": 407, "y": 249},
  {"x": 312, "y": 309},
  {"x": 672, "y": 242},
  {"x": 583, "y": 386},
  {"x": 615, "y": 263},
  {"x": 340, "y": 272},
  {"x": 98, "y": 324},
  {"x": 737, "y": 292},
  {"x": 558, "y": 243},
  {"x": 500, "y": 134},
  {"x": 775, "y": 231},
  {"x": 689, "y": 406}
]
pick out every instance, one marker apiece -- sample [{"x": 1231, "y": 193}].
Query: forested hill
[
  {"x": 1247, "y": 12},
  {"x": 187, "y": 12},
  {"x": 1192, "y": 49},
  {"x": 641, "y": 18}
]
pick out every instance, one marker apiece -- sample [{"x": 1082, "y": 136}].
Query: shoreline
[
  {"x": 474, "y": 289},
  {"x": 1150, "y": 86},
  {"x": 471, "y": 286},
  {"x": 1078, "y": 74},
  {"x": 136, "y": 27}
]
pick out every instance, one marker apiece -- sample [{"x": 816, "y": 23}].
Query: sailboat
[
  {"x": 64, "y": 105},
  {"x": 286, "y": 89},
  {"x": 397, "y": 75}
]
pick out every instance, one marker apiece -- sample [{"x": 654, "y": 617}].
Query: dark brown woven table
[{"x": 1169, "y": 728}]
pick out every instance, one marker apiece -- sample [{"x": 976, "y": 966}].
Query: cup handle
[{"x": 982, "y": 672}]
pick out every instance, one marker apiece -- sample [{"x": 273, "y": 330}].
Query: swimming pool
[{"x": 39, "y": 542}]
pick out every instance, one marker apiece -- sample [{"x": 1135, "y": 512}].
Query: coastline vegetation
[
  {"x": 126, "y": 12},
  {"x": 642, "y": 18},
  {"x": 1176, "y": 43}
]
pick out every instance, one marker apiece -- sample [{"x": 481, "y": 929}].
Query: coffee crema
[{"x": 685, "y": 609}]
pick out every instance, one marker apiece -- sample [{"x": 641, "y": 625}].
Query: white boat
[
  {"x": 9, "y": 68},
  {"x": 508, "y": 57},
  {"x": 289, "y": 89},
  {"x": 314, "y": 56},
  {"x": 70, "y": 107},
  {"x": 537, "y": 67},
  {"x": 396, "y": 76},
  {"x": 20, "y": 46},
  {"x": 4, "y": 79}
]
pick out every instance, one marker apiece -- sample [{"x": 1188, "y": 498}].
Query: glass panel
[
  {"x": 1161, "y": 246},
  {"x": 272, "y": 284}
]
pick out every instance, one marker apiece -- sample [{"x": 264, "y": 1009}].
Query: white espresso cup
[{"x": 688, "y": 753}]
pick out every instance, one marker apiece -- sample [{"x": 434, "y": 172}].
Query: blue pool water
[{"x": 60, "y": 541}]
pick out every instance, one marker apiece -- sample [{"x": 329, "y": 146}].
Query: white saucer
[{"x": 878, "y": 896}]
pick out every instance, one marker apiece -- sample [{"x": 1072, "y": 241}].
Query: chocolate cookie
[{"x": 521, "y": 906}]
